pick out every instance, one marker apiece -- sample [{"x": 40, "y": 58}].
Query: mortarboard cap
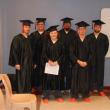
[
  {"x": 82, "y": 24},
  {"x": 40, "y": 20},
  {"x": 67, "y": 20},
  {"x": 98, "y": 22},
  {"x": 26, "y": 22},
  {"x": 52, "y": 28}
]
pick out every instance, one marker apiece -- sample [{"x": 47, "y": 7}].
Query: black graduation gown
[
  {"x": 80, "y": 75},
  {"x": 55, "y": 52},
  {"x": 37, "y": 40},
  {"x": 20, "y": 53},
  {"x": 100, "y": 47},
  {"x": 67, "y": 39}
]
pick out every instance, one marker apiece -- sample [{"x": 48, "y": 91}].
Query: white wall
[
  {"x": 105, "y": 16},
  {"x": 1, "y": 48}
]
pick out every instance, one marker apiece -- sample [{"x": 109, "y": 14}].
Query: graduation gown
[
  {"x": 37, "y": 40},
  {"x": 80, "y": 75},
  {"x": 100, "y": 47},
  {"x": 55, "y": 52},
  {"x": 20, "y": 53},
  {"x": 67, "y": 39}
]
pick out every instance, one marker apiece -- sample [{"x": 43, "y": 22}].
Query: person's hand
[
  {"x": 35, "y": 66},
  {"x": 85, "y": 64},
  {"x": 17, "y": 67},
  {"x": 51, "y": 63},
  {"x": 81, "y": 63},
  {"x": 55, "y": 63}
]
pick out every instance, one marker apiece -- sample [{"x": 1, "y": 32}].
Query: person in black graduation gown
[
  {"x": 81, "y": 56},
  {"x": 21, "y": 58},
  {"x": 53, "y": 54},
  {"x": 99, "y": 43},
  {"x": 37, "y": 40},
  {"x": 67, "y": 36}
]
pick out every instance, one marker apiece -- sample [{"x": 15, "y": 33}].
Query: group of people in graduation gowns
[{"x": 80, "y": 58}]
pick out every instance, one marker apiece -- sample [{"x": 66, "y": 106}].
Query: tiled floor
[{"x": 98, "y": 103}]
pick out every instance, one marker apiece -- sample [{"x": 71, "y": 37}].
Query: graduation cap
[
  {"x": 26, "y": 22},
  {"x": 52, "y": 28},
  {"x": 82, "y": 24},
  {"x": 67, "y": 20},
  {"x": 40, "y": 20},
  {"x": 98, "y": 22}
]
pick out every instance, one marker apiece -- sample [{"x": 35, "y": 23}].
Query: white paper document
[{"x": 51, "y": 69}]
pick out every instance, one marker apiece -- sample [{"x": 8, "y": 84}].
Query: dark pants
[{"x": 55, "y": 93}]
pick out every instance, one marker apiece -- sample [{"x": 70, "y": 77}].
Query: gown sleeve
[
  {"x": 14, "y": 57},
  {"x": 72, "y": 52},
  {"x": 106, "y": 44},
  {"x": 61, "y": 59}
]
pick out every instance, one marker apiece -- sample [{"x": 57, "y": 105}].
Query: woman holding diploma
[{"x": 52, "y": 60}]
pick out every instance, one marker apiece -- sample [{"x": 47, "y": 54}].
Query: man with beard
[
  {"x": 37, "y": 40},
  {"x": 81, "y": 57},
  {"x": 99, "y": 43},
  {"x": 21, "y": 58},
  {"x": 67, "y": 36}
]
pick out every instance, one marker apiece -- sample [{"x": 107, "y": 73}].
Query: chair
[
  {"x": 2, "y": 101},
  {"x": 17, "y": 101}
]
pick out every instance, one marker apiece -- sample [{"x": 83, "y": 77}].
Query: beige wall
[{"x": 1, "y": 49}]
